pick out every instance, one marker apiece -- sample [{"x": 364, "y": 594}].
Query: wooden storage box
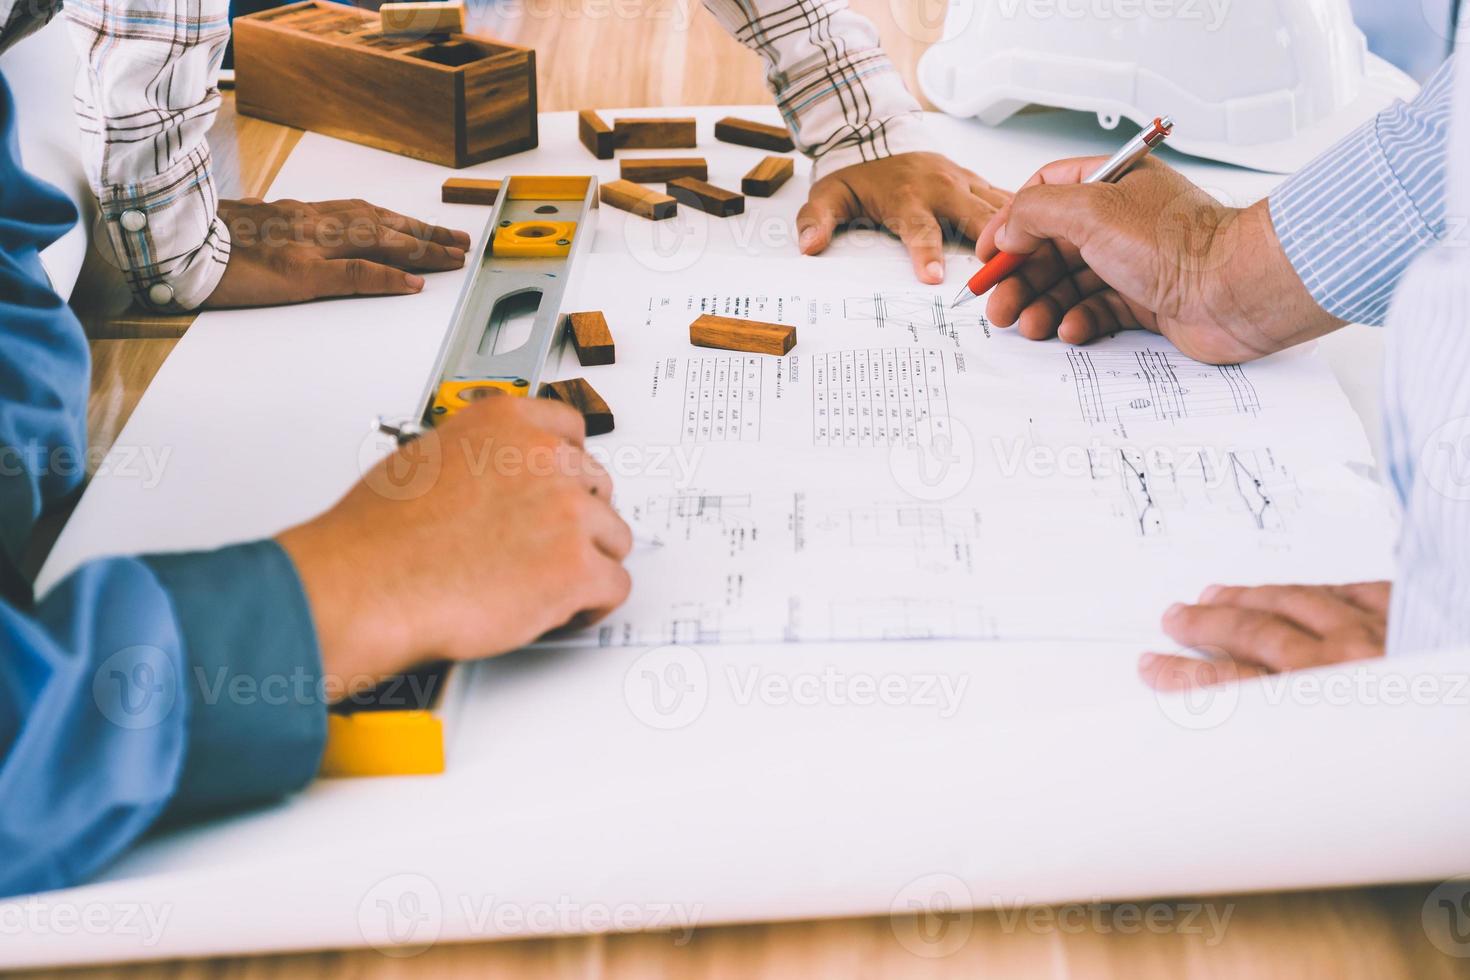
[{"x": 452, "y": 99}]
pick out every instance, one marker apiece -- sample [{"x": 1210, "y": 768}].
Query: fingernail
[
  {"x": 1210, "y": 594},
  {"x": 807, "y": 239},
  {"x": 1148, "y": 661},
  {"x": 412, "y": 281},
  {"x": 455, "y": 253},
  {"x": 1173, "y": 611},
  {"x": 935, "y": 271}
]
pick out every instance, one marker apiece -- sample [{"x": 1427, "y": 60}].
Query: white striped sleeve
[{"x": 1353, "y": 220}]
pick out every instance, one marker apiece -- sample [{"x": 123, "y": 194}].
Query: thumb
[
  {"x": 830, "y": 204},
  {"x": 985, "y": 247},
  {"x": 1070, "y": 214}
]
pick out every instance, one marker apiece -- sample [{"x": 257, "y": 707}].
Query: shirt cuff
[
  {"x": 166, "y": 235},
  {"x": 1350, "y": 227},
  {"x": 905, "y": 133},
  {"x": 257, "y": 715}
]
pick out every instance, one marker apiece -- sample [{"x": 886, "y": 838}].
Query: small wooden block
[
  {"x": 759, "y": 135},
  {"x": 637, "y": 199},
  {"x": 591, "y": 339},
  {"x": 767, "y": 176},
  {"x": 577, "y": 393},
  {"x": 595, "y": 134},
  {"x": 706, "y": 197},
  {"x": 464, "y": 190},
  {"x": 750, "y": 336},
  {"x": 441, "y": 17},
  {"x": 649, "y": 134},
  {"x": 656, "y": 170}
]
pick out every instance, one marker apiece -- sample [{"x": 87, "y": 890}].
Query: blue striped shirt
[
  {"x": 1353, "y": 219},
  {"x": 1371, "y": 230}
]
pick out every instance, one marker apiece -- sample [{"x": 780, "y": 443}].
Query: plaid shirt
[
  {"x": 147, "y": 95},
  {"x": 842, "y": 98}
]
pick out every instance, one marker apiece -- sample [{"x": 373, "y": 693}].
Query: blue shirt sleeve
[
  {"x": 1353, "y": 220},
  {"x": 137, "y": 688}
]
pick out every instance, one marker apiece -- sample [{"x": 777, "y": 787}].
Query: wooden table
[{"x": 586, "y": 53}]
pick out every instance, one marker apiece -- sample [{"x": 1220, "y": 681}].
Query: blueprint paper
[{"x": 909, "y": 471}]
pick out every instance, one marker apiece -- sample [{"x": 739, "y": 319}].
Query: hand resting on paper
[
  {"x": 1271, "y": 629},
  {"x": 920, "y": 197},
  {"x": 294, "y": 251},
  {"x": 1151, "y": 252},
  {"x": 477, "y": 538}
]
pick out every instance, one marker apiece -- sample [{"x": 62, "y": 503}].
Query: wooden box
[{"x": 452, "y": 99}]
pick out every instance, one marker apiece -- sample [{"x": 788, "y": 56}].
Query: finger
[
  {"x": 422, "y": 230},
  {"x": 1315, "y": 609},
  {"x": 1246, "y": 635},
  {"x": 1101, "y": 314},
  {"x": 1072, "y": 170},
  {"x": 1074, "y": 214},
  {"x": 1170, "y": 672},
  {"x": 1058, "y": 291},
  {"x": 993, "y": 196},
  {"x": 558, "y": 418},
  {"x": 1373, "y": 597},
  {"x": 357, "y": 277},
  {"x": 609, "y": 531},
  {"x": 830, "y": 204},
  {"x": 380, "y": 243},
  {"x": 1011, "y": 298},
  {"x": 964, "y": 212},
  {"x": 921, "y": 235},
  {"x": 985, "y": 247},
  {"x": 605, "y": 589}
]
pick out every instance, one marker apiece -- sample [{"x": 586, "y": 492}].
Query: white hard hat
[{"x": 1267, "y": 84}]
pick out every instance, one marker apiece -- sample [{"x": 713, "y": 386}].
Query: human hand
[
  {"x": 294, "y": 251},
  {"x": 485, "y": 533},
  {"x": 917, "y": 196},
  {"x": 1269, "y": 630},
  {"x": 1151, "y": 251}
]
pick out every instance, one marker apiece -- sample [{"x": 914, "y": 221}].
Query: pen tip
[{"x": 963, "y": 296}]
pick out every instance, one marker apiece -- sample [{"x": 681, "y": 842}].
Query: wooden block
[
  {"x": 577, "y": 393},
  {"x": 649, "y": 134},
  {"x": 768, "y": 175},
  {"x": 637, "y": 199},
  {"x": 656, "y": 170},
  {"x": 750, "y": 336},
  {"x": 759, "y": 135},
  {"x": 595, "y": 134},
  {"x": 591, "y": 339},
  {"x": 467, "y": 190},
  {"x": 454, "y": 101},
  {"x": 415, "y": 17},
  {"x": 706, "y": 197}
]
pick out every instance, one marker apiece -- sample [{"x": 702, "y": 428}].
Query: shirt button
[
  {"x": 134, "y": 220},
  {"x": 160, "y": 294}
]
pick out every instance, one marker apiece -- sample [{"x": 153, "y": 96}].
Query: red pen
[{"x": 1004, "y": 263}]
